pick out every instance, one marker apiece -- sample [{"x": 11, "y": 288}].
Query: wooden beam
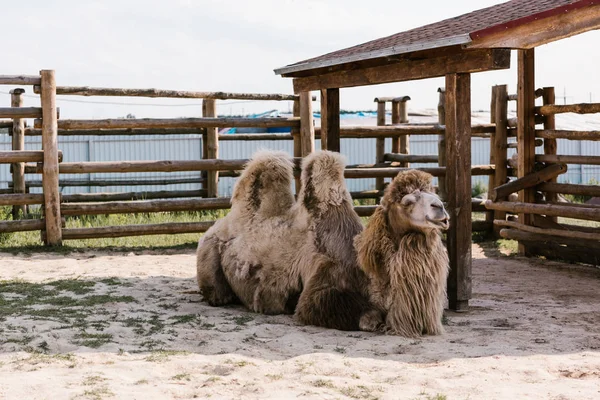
[
  {"x": 52, "y": 215},
  {"x": 330, "y": 119},
  {"x": 19, "y": 156},
  {"x": 380, "y": 142},
  {"x": 18, "y": 144},
  {"x": 498, "y": 144},
  {"x": 121, "y": 132},
  {"x": 406, "y": 70},
  {"x": 21, "y": 199},
  {"x": 553, "y": 109},
  {"x": 541, "y": 31},
  {"x": 549, "y": 158},
  {"x": 297, "y": 144},
  {"x": 89, "y": 167},
  {"x": 552, "y": 134},
  {"x": 20, "y": 112},
  {"x": 20, "y": 80},
  {"x": 307, "y": 127},
  {"x": 550, "y": 144},
  {"x": 442, "y": 155},
  {"x": 550, "y": 232},
  {"x": 528, "y": 181},
  {"x": 570, "y": 188},
  {"x": 408, "y": 158},
  {"x": 124, "y": 196},
  {"x": 169, "y": 228},
  {"x": 458, "y": 181},
  {"x": 567, "y": 211},
  {"x": 526, "y": 128},
  {"x": 175, "y": 123},
  {"x": 209, "y": 110},
  {"x": 144, "y": 206}
]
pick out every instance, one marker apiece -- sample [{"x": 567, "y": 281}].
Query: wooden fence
[{"x": 56, "y": 207}]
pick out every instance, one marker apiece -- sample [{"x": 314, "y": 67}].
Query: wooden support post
[
  {"x": 528, "y": 181},
  {"x": 330, "y": 119},
  {"x": 307, "y": 127},
  {"x": 400, "y": 145},
  {"x": 380, "y": 143},
  {"x": 458, "y": 181},
  {"x": 18, "y": 143},
  {"x": 499, "y": 144},
  {"x": 209, "y": 110},
  {"x": 550, "y": 145},
  {"x": 526, "y": 128},
  {"x": 442, "y": 192},
  {"x": 395, "y": 121},
  {"x": 53, "y": 234},
  {"x": 297, "y": 145}
]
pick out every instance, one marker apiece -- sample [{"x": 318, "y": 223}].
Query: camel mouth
[{"x": 441, "y": 223}]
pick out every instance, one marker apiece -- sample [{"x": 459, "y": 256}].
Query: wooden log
[
  {"x": 20, "y": 80},
  {"x": 209, "y": 110},
  {"x": 570, "y": 188},
  {"x": 538, "y": 143},
  {"x": 408, "y": 158},
  {"x": 169, "y": 228},
  {"x": 550, "y": 232},
  {"x": 553, "y": 109},
  {"x": 18, "y": 144},
  {"x": 526, "y": 127},
  {"x": 442, "y": 155},
  {"x": 175, "y": 123},
  {"x": 369, "y": 172},
  {"x": 535, "y": 178},
  {"x": 307, "y": 127},
  {"x": 549, "y": 158},
  {"x": 176, "y": 94},
  {"x": 498, "y": 144},
  {"x": 23, "y": 225},
  {"x": 458, "y": 181},
  {"x": 150, "y": 166},
  {"x": 297, "y": 144},
  {"x": 552, "y": 210},
  {"x": 21, "y": 199},
  {"x": 247, "y": 137},
  {"x": 365, "y": 211},
  {"x": 20, "y": 156},
  {"x": 330, "y": 120},
  {"x": 119, "y": 182},
  {"x": 367, "y": 194},
  {"x": 380, "y": 143},
  {"x": 406, "y": 70},
  {"x": 553, "y": 134},
  {"x": 50, "y": 167},
  {"x": 20, "y": 112},
  {"x": 121, "y": 132},
  {"x": 548, "y": 223},
  {"x": 124, "y": 196},
  {"x": 543, "y": 240},
  {"x": 478, "y": 205},
  {"x": 550, "y": 144},
  {"x": 6, "y": 191},
  {"x": 571, "y": 253},
  {"x": 145, "y": 206}
]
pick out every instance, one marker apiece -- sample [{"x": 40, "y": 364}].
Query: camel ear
[{"x": 409, "y": 199}]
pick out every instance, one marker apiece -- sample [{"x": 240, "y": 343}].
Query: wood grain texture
[
  {"x": 590, "y": 214},
  {"x": 458, "y": 181},
  {"x": 528, "y": 181},
  {"x": 307, "y": 127}
]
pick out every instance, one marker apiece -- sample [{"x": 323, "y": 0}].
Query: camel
[
  {"x": 276, "y": 255},
  {"x": 402, "y": 253}
]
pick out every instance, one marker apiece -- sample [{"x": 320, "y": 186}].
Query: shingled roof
[{"x": 459, "y": 30}]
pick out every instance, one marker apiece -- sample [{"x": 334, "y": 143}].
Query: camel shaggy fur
[
  {"x": 276, "y": 255},
  {"x": 401, "y": 251}
]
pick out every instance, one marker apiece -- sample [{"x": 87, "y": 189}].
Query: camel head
[{"x": 411, "y": 205}]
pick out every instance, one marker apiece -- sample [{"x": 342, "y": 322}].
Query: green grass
[{"x": 30, "y": 241}]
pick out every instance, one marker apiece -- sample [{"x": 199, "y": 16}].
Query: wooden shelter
[{"x": 454, "y": 48}]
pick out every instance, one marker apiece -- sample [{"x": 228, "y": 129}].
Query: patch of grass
[
  {"x": 98, "y": 393},
  {"x": 141, "y": 382},
  {"x": 507, "y": 246},
  {"x": 323, "y": 383},
  {"x": 164, "y": 355},
  {"x": 93, "y": 380},
  {"x": 183, "y": 319},
  {"x": 274, "y": 377},
  {"x": 339, "y": 349},
  {"x": 73, "y": 285},
  {"x": 242, "y": 319},
  {"x": 93, "y": 340},
  {"x": 358, "y": 392},
  {"x": 181, "y": 377},
  {"x": 30, "y": 241},
  {"x": 478, "y": 188}
]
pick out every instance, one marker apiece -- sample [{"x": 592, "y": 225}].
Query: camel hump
[
  {"x": 322, "y": 180},
  {"x": 265, "y": 183}
]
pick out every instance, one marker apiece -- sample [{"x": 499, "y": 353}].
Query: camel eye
[{"x": 436, "y": 206}]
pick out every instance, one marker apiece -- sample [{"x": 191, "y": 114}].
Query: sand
[{"x": 98, "y": 325}]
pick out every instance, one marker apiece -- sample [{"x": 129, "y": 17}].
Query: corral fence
[{"x": 47, "y": 162}]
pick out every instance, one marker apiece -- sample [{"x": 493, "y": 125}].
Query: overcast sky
[{"x": 217, "y": 45}]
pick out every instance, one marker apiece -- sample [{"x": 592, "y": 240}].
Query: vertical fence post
[
  {"x": 18, "y": 143},
  {"x": 296, "y": 136},
  {"x": 442, "y": 192},
  {"x": 209, "y": 110},
  {"x": 499, "y": 144},
  {"x": 380, "y": 142},
  {"x": 324, "y": 119},
  {"x": 307, "y": 127},
  {"x": 395, "y": 121},
  {"x": 526, "y": 129},
  {"x": 550, "y": 145},
  {"x": 53, "y": 236},
  {"x": 400, "y": 145},
  {"x": 330, "y": 119},
  {"x": 489, "y": 215},
  {"x": 458, "y": 173}
]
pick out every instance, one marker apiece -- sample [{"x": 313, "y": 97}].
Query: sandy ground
[{"x": 112, "y": 325}]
